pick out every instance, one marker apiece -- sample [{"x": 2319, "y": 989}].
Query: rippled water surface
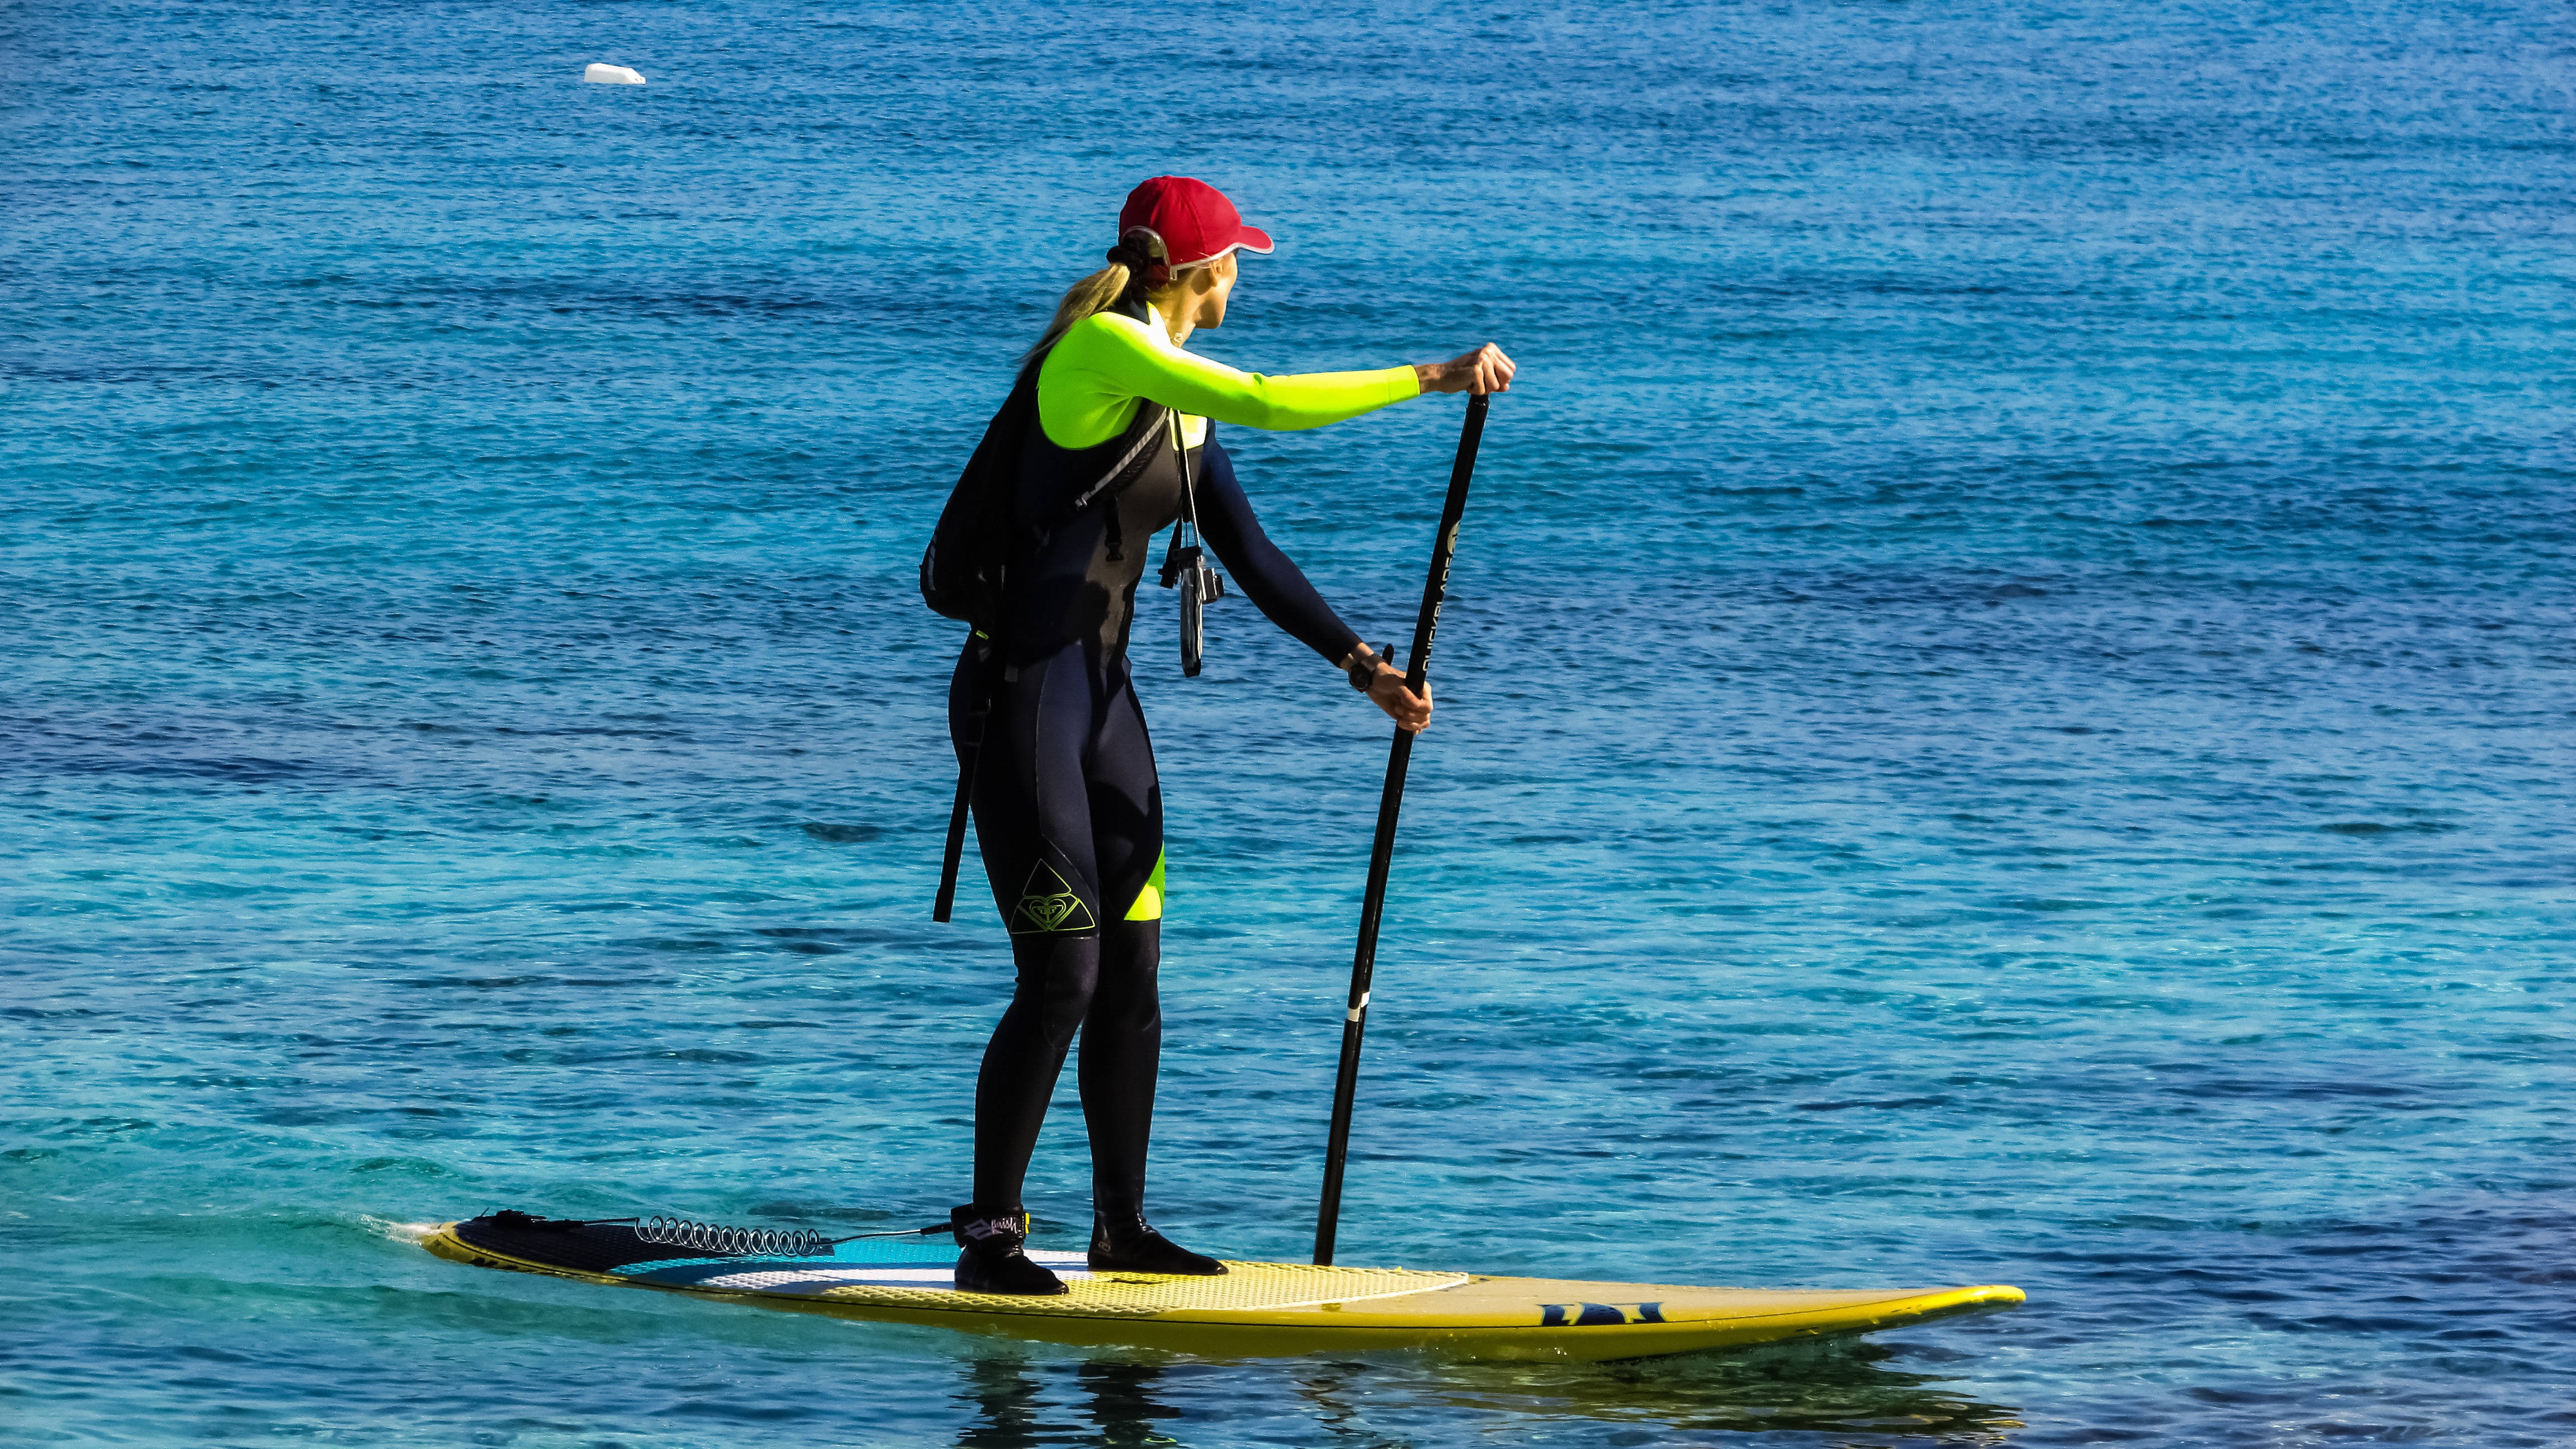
[{"x": 2005, "y": 716}]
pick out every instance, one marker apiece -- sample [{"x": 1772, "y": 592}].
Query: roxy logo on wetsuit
[{"x": 1049, "y": 903}]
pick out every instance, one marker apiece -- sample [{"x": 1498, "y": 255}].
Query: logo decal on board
[
  {"x": 1047, "y": 903},
  {"x": 1594, "y": 1315}
]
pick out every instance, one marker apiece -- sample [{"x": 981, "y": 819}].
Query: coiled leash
[{"x": 717, "y": 1240}]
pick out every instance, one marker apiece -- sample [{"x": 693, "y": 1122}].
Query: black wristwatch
[{"x": 1363, "y": 665}]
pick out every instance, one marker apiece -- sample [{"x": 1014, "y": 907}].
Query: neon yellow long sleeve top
[{"x": 1090, "y": 382}]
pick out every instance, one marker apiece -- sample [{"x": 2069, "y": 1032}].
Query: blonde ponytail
[
  {"x": 1095, "y": 293},
  {"x": 1137, "y": 266}
]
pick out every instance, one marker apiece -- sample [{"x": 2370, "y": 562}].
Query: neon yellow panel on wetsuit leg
[
  {"x": 1149, "y": 901},
  {"x": 1088, "y": 388}
]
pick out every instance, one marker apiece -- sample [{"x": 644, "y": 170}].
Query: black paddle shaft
[{"x": 1390, "y": 804}]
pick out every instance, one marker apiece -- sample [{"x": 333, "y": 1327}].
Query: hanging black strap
[{"x": 979, "y": 724}]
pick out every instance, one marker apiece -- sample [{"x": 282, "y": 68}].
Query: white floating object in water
[{"x": 613, "y": 75}]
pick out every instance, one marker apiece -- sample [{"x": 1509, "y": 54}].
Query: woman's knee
[
  {"x": 1131, "y": 955},
  {"x": 1131, "y": 950},
  {"x": 1058, "y": 977}
]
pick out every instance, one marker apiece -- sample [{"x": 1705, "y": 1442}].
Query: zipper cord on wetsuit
[
  {"x": 1188, "y": 531},
  {"x": 1114, "y": 481}
]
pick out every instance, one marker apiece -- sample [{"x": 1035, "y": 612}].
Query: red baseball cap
[{"x": 1195, "y": 221}]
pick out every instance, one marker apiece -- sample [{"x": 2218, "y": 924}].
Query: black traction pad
[{"x": 571, "y": 1243}]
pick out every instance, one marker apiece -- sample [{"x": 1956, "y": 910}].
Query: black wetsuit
[{"x": 1068, "y": 812}]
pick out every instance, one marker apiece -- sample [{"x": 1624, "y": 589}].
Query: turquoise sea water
[{"x": 2005, "y": 711}]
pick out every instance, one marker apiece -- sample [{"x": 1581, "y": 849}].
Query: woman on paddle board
[{"x": 1068, "y": 814}]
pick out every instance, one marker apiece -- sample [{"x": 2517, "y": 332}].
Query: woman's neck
[{"x": 1175, "y": 321}]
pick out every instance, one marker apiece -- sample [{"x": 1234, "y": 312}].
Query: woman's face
[{"x": 1210, "y": 286}]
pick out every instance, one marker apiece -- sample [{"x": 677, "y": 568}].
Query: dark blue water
[{"x": 2005, "y": 714}]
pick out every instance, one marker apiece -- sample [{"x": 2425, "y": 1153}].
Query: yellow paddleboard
[{"x": 1254, "y": 1310}]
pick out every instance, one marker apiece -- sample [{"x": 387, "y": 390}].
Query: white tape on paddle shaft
[
  {"x": 1354, "y": 1013},
  {"x": 613, "y": 75}
]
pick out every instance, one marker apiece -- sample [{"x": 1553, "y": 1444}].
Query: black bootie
[
  {"x": 1123, "y": 1242},
  {"x": 993, "y": 1261}
]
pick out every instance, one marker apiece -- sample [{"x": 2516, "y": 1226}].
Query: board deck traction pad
[{"x": 1254, "y": 1308}]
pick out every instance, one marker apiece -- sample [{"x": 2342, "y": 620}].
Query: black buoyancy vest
[{"x": 1016, "y": 489}]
